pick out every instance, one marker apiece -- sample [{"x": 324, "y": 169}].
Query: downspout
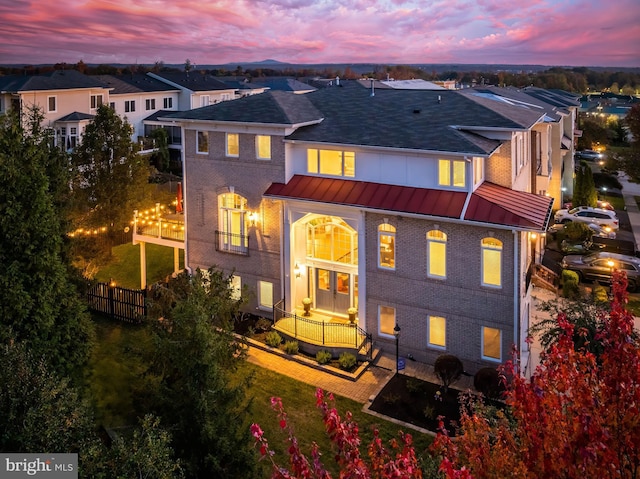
[
  {"x": 516, "y": 290},
  {"x": 185, "y": 204},
  {"x": 283, "y": 279}
]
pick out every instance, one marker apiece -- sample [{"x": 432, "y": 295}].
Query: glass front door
[{"x": 333, "y": 290}]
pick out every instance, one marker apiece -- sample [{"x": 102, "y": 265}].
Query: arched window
[
  {"x": 331, "y": 239},
  {"x": 436, "y": 254},
  {"x": 233, "y": 237},
  {"x": 491, "y": 262},
  {"x": 387, "y": 246}
]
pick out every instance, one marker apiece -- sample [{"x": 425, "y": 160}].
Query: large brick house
[{"x": 415, "y": 208}]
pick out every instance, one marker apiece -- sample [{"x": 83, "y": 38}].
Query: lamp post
[
  {"x": 604, "y": 192},
  {"x": 396, "y": 333}
]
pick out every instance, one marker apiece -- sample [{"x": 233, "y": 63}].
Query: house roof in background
[
  {"x": 134, "y": 83},
  {"x": 54, "y": 80},
  {"x": 490, "y": 203},
  {"x": 194, "y": 81},
  {"x": 76, "y": 116},
  {"x": 283, "y": 84}
]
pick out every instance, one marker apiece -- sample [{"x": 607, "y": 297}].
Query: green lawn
[{"x": 125, "y": 267}]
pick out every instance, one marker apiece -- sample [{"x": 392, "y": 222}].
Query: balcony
[
  {"x": 232, "y": 243},
  {"x": 159, "y": 227}
]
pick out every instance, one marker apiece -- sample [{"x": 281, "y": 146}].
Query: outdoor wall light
[
  {"x": 296, "y": 270},
  {"x": 253, "y": 216}
]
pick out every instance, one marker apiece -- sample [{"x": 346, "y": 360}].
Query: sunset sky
[{"x": 546, "y": 32}]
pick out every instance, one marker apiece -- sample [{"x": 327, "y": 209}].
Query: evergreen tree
[
  {"x": 589, "y": 189},
  {"x": 110, "y": 179},
  {"x": 38, "y": 303},
  {"x": 578, "y": 187}
]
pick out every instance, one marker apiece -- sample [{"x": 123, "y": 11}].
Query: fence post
[{"x": 111, "y": 286}]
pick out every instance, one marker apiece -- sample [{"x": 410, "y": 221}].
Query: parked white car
[{"x": 587, "y": 214}]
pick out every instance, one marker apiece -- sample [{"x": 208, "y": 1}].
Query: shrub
[
  {"x": 291, "y": 347},
  {"x": 487, "y": 381},
  {"x": 570, "y": 282},
  {"x": 323, "y": 356},
  {"x": 263, "y": 324},
  {"x": 448, "y": 368},
  {"x": 347, "y": 361},
  {"x": 415, "y": 386},
  {"x": 576, "y": 231},
  {"x": 429, "y": 411},
  {"x": 273, "y": 339},
  {"x": 599, "y": 294}
]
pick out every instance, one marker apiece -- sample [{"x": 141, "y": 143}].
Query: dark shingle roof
[
  {"x": 194, "y": 81},
  {"x": 76, "y": 116},
  {"x": 55, "y": 80},
  {"x": 136, "y": 83},
  {"x": 283, "y": 84},
  {"x": 275, "y": 107}
]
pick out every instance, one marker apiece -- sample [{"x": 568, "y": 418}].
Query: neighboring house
[
  {"x": 243, "y": 86},
  {"x": 415, "y": 208},
  {"x": 67, "y": 99},
  {"x": 138, "y": 96},
  {"x": 197, "y": 89},
  {"x": 284, "y": 84}
]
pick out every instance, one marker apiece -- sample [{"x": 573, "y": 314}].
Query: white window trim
[
  {"x": 198, "y": 152},
  {"x": 55, "y": 98},
  {"x": 489, "y": 358},
  {"x": 226, "y": 145},
  {"x": 451, "y": 167},
  {"x": 260, "y": 305},
  {"x": 431, "y": 345},
  {"x": 395, "y": 318},
  {"x": 482, "y": 249},
  {"x": 446, "y": 250}
]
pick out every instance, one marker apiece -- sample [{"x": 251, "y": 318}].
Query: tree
[
  {"x": 110, "y": 179},
  {"x": 448, "y": 368},
  {"x": 584, "y": 191},
  {"x": 398, "y": 461},
  {"x": 632, "y": 122},
  {"x": 38, "y": 303},
  {"x": 198, "y": 396},
  {"x": 576, "y": 417},
  {"x": 161, "y": 156}
]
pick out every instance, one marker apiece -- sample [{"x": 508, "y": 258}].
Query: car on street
[
  {"x": 588, "y": 214},
  {"x": 590, "y": 155},
  {"x": 601, "y": 265}
]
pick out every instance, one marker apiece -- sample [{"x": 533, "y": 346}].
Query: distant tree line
[{"x": 576, "y": 79}]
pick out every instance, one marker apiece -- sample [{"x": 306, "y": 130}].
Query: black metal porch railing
[
  {"x": 337, "y": 335},
  {"x": 232, "y": 243}
]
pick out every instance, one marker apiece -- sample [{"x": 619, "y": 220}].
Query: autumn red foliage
[
  {"x": 397, "y": 461},
  {"x": 578, "y": 416}
]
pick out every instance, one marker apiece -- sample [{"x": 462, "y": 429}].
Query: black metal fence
[{"x": 119, "y": 303}]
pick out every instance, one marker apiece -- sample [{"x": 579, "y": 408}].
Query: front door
[{"x": 332, "y": 290}]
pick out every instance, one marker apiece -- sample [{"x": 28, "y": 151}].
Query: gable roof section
[
  {"x": 490, "y": 203},
  {"x": 194, "y": 81},
  {"x": 76, "y": 116},
  {"x": 275, "y": 107},
  {"x": 54, "y": 80}
]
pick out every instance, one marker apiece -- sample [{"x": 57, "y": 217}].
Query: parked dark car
[{"x": 600, "y": 266}]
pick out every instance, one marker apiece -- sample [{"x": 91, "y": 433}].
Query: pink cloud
[{"x": 558, "y": 32}]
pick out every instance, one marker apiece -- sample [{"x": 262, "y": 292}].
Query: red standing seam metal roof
[{"x": 490, "y": 203}]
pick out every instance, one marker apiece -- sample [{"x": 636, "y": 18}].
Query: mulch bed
[{"x": 416, "y": 402}]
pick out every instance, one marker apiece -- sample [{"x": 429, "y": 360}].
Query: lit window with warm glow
[
  {"x": 491, "y": 344},
  {"x": 477, "y": 170},
  {"x": 437, "y": 332},
  {"x": 263, "y": 147},
  {"x": 232, "y": 144},
  {"x": 387, "y": 246},
  {"x": 236, "y": 287},
  {"x": 332, "y": 239},
  {"x": 202, "y": 142},
  {"x": 233, "y": 223},
  {"x": 491, "y": 262},
  {"x": 386, "y": 320},
  {"x": 331, "y": 162},
  {"x": 436, "y": 254},
  {"x": 452, "y": 173},
  {"x": 265, "y": 295}
]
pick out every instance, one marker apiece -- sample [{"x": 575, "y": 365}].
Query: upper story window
[
  {"x": 387, "y": 246},
  {"x": 263, "y": 147},
  {"x": 451, "y": 173},
  {"x": 491, "y": 262},
  {"x": 232, "y": 144},
  {"x": 150, "y": 103},
  {"x": 167, "y": 103},
  {"x": 129, "y": 106},
  {"x": 52, "y": 104},
  {"x": 96, "y": 101},
  {"x": 232, "y": 236},
  {"x": 331, "y": 239},
  {"x": 205, "y": 100},
  {"x": 331, "y": 162},
  {"x": 112, "y": 105},
  {"x": 478, "y": 167},
  {"x": 436, "y": 254},
  {"x": 202, "y": 142}
]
